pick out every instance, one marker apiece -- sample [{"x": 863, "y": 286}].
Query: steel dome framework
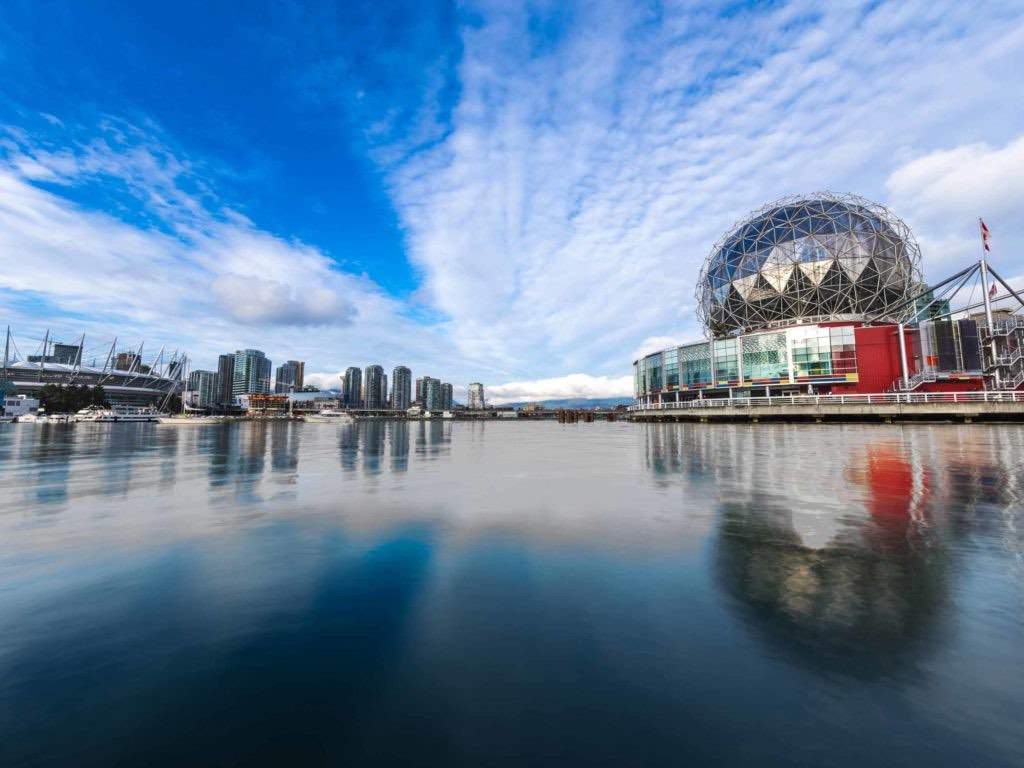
[{"x": 809, "y": 258}]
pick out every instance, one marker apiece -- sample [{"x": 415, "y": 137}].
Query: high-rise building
[
  {"x": 252, "y": 373},
  {"x": 225, "y": 381},
  {"x": 446, "y": 397},
  {"x": 419, "y": 393},
  {"x": 288, "y": 377},
  {"x": 432, "y": 396},
  {"x": 376, "y": 390},
  {"x": 204, "y": 385},
  {"x": 476, "y": 396},
  {"x": 67, "y": 354},
  {"x": 401, "y": 388},
  {"x": 129, "y": 361},
  {"x": 353, "y": 387}
]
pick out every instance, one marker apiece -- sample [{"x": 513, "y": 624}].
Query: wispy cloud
[
  {"x": 559, "y": 173},
  {"x": 947, "y": 190},
  {"x": 596, "y": 153},
  {"x": 177, "y": 265}
]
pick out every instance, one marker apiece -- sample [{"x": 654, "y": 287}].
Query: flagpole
[{"x": 988, "y": 303}]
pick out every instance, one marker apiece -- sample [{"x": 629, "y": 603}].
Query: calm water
[{"x": 511, "y": 594}]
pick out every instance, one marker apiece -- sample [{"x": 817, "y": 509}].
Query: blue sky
[{"x": 520, "y": 194}]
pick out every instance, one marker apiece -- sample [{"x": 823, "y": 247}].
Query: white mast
[
  {"x": 110, "y": 355},
  {"x": 138, "y": 357},
  {"x": 42, "y": 359}
]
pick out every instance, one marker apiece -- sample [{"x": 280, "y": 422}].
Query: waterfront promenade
[{"x": 887, "y": 407}]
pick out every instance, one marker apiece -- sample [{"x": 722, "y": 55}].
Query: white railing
[
  {"x": 1005, "y": 325},
  {"x": 888, "y": 398},
  {"x": 916, "y": 380},
  {"x": 1008, "y": 360}
]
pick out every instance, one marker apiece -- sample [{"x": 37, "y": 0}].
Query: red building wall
[{"x": 878, "y": 359}]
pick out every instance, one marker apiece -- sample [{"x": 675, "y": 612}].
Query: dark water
[{"x": 511, "y": 594}]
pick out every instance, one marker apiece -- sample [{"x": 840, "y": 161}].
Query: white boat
[
  {"x": 44, "y": 418},
  {"x": 97, "y": 413},
  {"x": 193, "y": 421},
  {"x": 328, "y": 416}
]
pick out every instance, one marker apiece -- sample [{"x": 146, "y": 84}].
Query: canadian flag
[
  {"x": 984, "y": 234},
  {"x": 994, "y": 289}
]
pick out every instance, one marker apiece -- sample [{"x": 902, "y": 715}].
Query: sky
[{"x": 520, "y": 194}]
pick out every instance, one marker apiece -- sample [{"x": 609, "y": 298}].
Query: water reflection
[
  {"x": 239, "y": 456},
  {"x": 841, "y": 549},
  {"x": 50, "y": 457},
  {"x": 419, "y": 592}
]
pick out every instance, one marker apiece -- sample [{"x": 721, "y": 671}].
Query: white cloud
[
  {"x": 323, "y": 380},
  {"x": 945, "y": 192},
  {"x": 190, "y": 273},
  {"x": 559, "y": 221},
  {"x": 255, "y": 300},
  {"x": 560, "y": 387},
  {"x": 656, "y": 344},
  {"x": 565, "y": 217}
]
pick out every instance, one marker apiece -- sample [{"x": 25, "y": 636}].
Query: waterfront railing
[{"x": 887, "y": 398}]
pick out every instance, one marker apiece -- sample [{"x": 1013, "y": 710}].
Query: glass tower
[{"x": 252, "y": 373}]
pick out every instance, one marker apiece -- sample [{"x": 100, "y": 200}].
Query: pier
[{"x": 966, "y": 407}]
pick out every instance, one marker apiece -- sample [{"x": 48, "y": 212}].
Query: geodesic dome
[{"x": 808, "y": 259}]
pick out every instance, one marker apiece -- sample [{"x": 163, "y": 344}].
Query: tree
[{"x": 57, "y": 399}]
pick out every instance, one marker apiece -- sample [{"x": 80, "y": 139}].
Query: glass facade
[
  {"x": 844, "y": 350},
  {"x": 670, "y": 361},
  {"x": 653, "y": 373},
  {"x": 764, "y": 356},
  {"x": 809, "y": 352},
  {"x": 812, "y": 351},
  {"x": 695, "y": 365},
  {"x": 726, "y": 362}
]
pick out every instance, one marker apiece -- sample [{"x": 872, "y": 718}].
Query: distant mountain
[{"x": 578, "y": 402}]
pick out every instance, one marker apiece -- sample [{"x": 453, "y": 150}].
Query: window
[
  {"x": 764, "y": 356},
  {"x": 726, "y": 363},
  {"x": 812, "y": 351},
  {"x": 670, "y": 359},
  {"x": 694, "y": 365},
  {"x": 844, "y": 350}
]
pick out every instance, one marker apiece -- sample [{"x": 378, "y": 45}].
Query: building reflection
[
  {"x": 373, "y": 435},
  {"x": 433, "y": 437},
  {"x": 842, "y": 559},
  {"x": 284, "y": 449},
  {"x": 217, "y": 444},
  {"x": 48, "y": 449},
  {"x": 365, "y": 445},
  {"x": 398, "y": 441},
  {"x": 168, "y": 445}
]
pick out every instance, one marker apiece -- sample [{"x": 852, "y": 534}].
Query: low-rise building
[{"x": 19, "y": 405}]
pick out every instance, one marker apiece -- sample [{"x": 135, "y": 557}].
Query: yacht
[
  {"x": 122, "y": 413},
  {"x": 328, "y": 416}
]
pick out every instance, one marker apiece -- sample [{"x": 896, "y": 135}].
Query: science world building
[{"x": 823, "y": 294}]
